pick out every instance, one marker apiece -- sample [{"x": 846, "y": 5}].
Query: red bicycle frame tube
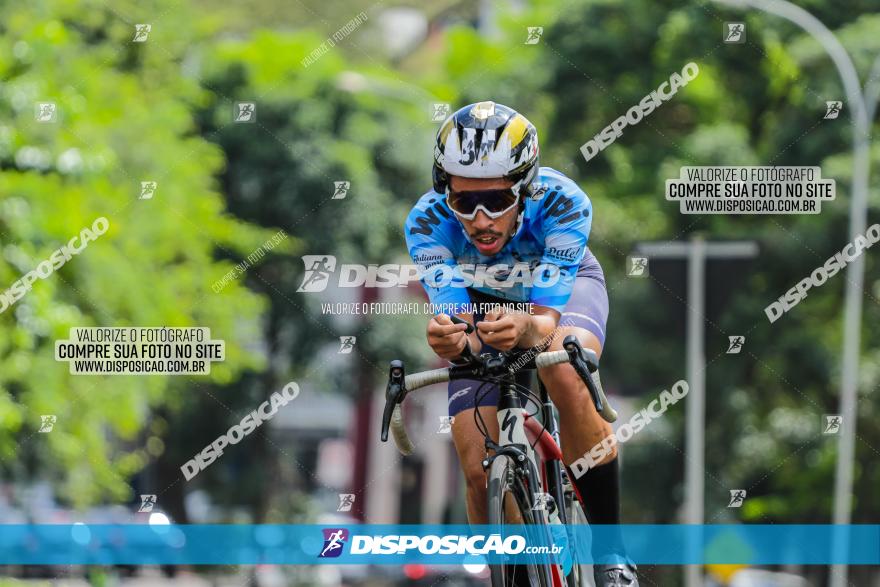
[{"x": 547, "y": 448}]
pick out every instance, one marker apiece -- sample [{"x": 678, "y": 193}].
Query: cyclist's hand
[
  {"x": 502, "y": 329},
  {"x": 445, "y": 338}
]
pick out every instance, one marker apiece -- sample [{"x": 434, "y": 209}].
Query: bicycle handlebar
[{"x": 584, "y": 361}]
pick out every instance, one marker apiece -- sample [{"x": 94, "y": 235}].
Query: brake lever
[
  {"x": 586, "y": 363},
  {"x": 395, "y": 391}
]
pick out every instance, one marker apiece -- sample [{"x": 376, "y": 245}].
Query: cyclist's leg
[
  {"x": 467, "y": 437},
  {"x": 581, "y": 428},
  {"x": 468, "y": 442}
]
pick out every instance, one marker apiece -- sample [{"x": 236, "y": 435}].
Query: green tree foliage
[
  {"x": 757, "y": 103},
  {"x": 316, "y": 124},
  {"x": 123, "y": 117}
]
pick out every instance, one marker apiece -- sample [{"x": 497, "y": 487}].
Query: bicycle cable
[
  {"x": 528, "y": 394},
  {"x": 535, "y": 399}
]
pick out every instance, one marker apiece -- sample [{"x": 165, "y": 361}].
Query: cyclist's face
[{"x": 488, "y": 235}]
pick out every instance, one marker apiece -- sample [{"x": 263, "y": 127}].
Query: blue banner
[{"x": 81, "y": 544}]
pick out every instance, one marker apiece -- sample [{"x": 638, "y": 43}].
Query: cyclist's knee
[
  {"x": 474, "y": 477},
  {"x": 561, "y": 380},
  {"x": 563, "y": 383},
  {"x": 587, "y": 339}
]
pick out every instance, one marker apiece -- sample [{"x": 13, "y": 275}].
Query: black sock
[{"x": 600, "y": 489}]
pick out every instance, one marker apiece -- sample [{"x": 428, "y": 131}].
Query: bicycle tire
[
  {"x": 574, "y": 515},
  {"x": 501, "y": 483}
]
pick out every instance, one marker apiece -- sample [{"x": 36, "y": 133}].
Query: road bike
[{"x": 527, "y": 478}]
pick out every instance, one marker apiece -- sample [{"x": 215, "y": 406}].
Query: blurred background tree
[
  {"x": 162, "y": 111},
  {"x": 124, "y": 116}
]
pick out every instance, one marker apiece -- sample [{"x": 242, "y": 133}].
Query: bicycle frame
[
  {"x": 524, "y": 430},
  {"x": 512, "y": 437},
  {"x": 551, "y": 453},
  {"x": 518, "y": 432}
]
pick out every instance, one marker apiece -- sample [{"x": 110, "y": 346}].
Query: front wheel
[
  {"x": 574, "y": 516},
  {"x": 510, "y": 501}
]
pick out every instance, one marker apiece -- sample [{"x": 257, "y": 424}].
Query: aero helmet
[{"x": 486, "y": 140}]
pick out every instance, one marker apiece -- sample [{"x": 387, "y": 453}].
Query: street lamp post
[
  {"x": 696, "y": 252},
  {"x": 858, "y": 215}
]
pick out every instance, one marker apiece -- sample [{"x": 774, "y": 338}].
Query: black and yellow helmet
[{"x": 487, "y": 140}]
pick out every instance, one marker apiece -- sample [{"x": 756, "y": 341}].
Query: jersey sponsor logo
[
  {"x": 429, "y": 218},
  {"x": 558, "y": 205},
  {"x": 569, "y": 254},
  {"x": 427, "y": 260}
]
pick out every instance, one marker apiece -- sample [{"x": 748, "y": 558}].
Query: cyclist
[{"x": 493, "y": 206}]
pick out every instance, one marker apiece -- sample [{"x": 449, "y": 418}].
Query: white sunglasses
[{"x": 493, "y": 203}]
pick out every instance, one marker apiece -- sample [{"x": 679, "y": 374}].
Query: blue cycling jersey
[{"x": 538, "y": 265}]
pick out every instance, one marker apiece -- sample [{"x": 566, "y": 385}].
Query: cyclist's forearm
[{"x": 538, "y": 329}]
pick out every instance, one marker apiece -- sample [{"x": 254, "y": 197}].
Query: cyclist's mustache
[{"x": 483, "y": 233}]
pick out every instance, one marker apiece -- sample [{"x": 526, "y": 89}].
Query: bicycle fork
[{"x": 512, "y": 440}]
